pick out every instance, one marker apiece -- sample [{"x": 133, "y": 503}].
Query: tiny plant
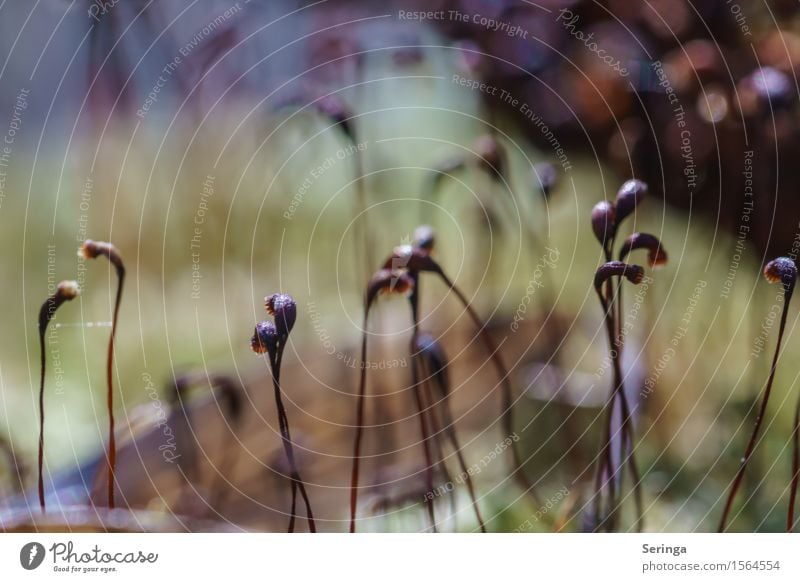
[
  {"x": 781, "y": 270},
  {"x": 385, "y": 281},
  {"x": 66, "y": 291},
  {"x": 606, "y": 219},
  {"x": 91, "y": 250},
  {"x": 424, "y": 239},
  {"x": 656, "y": 257},
  {"x": 419, "y": 259},
  {"x": 401, "y": 273},
  {"x": 270, "y": 338},
  {"x": 634, "y": 274}
]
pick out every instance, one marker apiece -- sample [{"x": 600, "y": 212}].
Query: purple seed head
[
  {"x": 656, "y": 255},
  {"x": 630, "y": 194},
  {"x": 265, "y": 338},
  {"x": 784, "y": 270},
  {"x": 91, "y": 249},
  {"x": 68, "y": 290},
  {"x": 633, "y": 273},
  {"x": 604, "y": 221},
  {"x": 389, "y": 281},
  {"x": 284, "y": 309}
]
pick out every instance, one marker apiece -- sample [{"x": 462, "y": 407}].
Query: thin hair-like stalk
[
  {"x": 286, "y": 438},
  {"x": 418, "y": 400},
  {"x": 418, "y": 259},
  {"x": 413, "y": 300},
  {"x": 606, "y": 218},
  {"x": 427, "y": 352},
  {"x": 361, "y": 397},
  {"x": 781, "y": 270},
  {"x": 384, "y": 281},
  {"x": 604, "y": 274},
  {"x": 66, "y": 291},
  {"x": 438, "y": 435},
  {"x": 656, "y": 257},
  {"x": 605, "y": 464},
  {"x": 434, "y": 364},
  {"x": 91, "y": 250},
  {"x": 271, "y": 339}
]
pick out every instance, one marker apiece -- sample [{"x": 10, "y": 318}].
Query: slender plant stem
[
  {"x": 437, "y": 432},
  {"x": 112, "y": 445},
  {"x": 449, "y": 427},
  {"x": 616, "y": 316},
  {"x": 419, "y": 397},
  {"x": 425, "y": 444},
  {"x": 751, "y": 445},
  {"x": 628, "y": 434},
  {"x": 627, "y": 454},
  {"x": 297, "y": 481},
  {"x": 44, "y": 318},
  {"x": 46, "y": 313},
  {"x": 282, "y": 428},
  {"x": 605, "y": 450},
  {"x": 292, "y": 480},
  {"x": 274, "y": 368},
  {"x": 508, "y": 400},
  {"x": 362, "y": 386}
]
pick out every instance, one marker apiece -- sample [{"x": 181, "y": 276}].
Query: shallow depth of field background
[{"x": 84, "y": 164}]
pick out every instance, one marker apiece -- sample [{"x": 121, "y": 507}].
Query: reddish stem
[
  {"x": 112, "y": 446},
  {"x": 751, "y": 445},
  {"x": 362, "y": 386},
  {"x": 451, "y": 434},
  {"x": 286, "y": 438},
  {"x": 424, "y": 435},
  {"x": 606, "y": 464}
]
